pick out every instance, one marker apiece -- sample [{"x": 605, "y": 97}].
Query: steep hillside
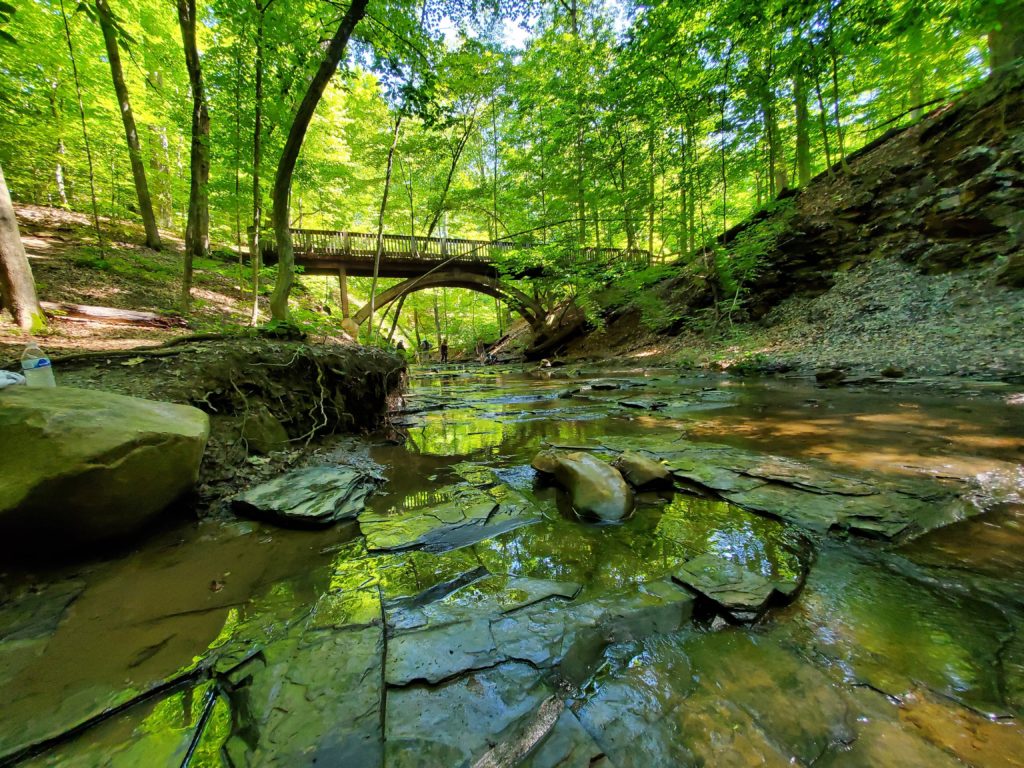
[{"x": 913, "y": 255}]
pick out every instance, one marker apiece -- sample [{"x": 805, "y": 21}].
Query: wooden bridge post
[{"x": 343, "y": 288}]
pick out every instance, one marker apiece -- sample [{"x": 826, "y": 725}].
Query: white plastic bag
[{"x": 8, "y": 378}]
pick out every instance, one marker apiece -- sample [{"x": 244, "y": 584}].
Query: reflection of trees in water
[
  {"x": 601, "y": 557},
  {"x": 896, "y": 633},
  {"x": 425, "y": 498},
  {"x": 761, "y": 544},
  {"x": 467, "y": 431}
]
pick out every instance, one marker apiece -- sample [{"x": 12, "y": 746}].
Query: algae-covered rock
[
  {"x": 83, "y": 465},
  {"x": 309, "y": 497},
  {"x": 643, "y": 472},
  {"x": 743, "y": 592},
  {"x": 262, "y": 432},
  {"x": 456, "y": 516},
  {"x": 596, "y": 487}
]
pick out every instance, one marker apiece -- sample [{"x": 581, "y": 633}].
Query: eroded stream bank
[{"x": 852, "y": 610}]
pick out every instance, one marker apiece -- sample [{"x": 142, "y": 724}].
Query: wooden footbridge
[{"x": 434, "y": 262}]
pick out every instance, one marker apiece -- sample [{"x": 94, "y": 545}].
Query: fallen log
[{"x": 84, "y": 313}]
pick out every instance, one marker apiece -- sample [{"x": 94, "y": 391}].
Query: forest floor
[
  {"x": 912, "y": 256},
  {"x": 70, "y": 269},
  {"x": 883, "y": 313}
]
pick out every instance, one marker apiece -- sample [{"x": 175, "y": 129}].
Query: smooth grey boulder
[
  {"x": 83, "y": 465},
  {"x": 313, "y": 497},
  {"x": 596, "y": 487}
]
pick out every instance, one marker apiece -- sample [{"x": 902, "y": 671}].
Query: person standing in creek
[{"x": 444, "y": 350}]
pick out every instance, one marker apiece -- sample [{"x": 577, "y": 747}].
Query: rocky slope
[{"x": 913, "y": 255}]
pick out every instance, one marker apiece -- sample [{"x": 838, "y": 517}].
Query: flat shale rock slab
[
  {"x": 312, "y": 497},
  {"x": 465, "y": 516},
  {"x": 810, "y": 495}
]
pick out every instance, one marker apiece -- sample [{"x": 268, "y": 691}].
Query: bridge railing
[{"x": 311, "y": 244}]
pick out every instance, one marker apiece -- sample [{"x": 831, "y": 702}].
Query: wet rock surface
[
  {"x": 643, "y": 472},
  {"x": 806, "y": 494},
  {"x": 597, "y": 488},
  {"x": 81, "y": 466},
  {"x": 309, "y": 497},
  {"x": 468, "y": 618}
]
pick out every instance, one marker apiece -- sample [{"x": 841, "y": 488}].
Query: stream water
[{"x": 836, "y": 580}]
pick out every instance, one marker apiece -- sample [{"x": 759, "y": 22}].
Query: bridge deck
[{"x": 326, "y": 252}]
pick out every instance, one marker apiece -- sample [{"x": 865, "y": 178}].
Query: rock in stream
[{"x": 597, "y": 488}]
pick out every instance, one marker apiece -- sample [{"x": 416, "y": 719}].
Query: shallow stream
[{"x": 835, "y": 580}]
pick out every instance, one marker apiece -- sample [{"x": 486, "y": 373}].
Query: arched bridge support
[{"x": 532, "y": 311}]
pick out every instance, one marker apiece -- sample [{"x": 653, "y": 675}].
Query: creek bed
[{"x": 835, "y": 580}]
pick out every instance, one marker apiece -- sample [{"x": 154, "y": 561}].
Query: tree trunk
[
  {"x": 1006, "y": 38},
  {"x": 290, "y": 154},
  {"x": 437, "y": 317},
  {"x": 380, "y": 225},
  {"x": 824, "y": 123},
  {"x": 456, "y": 156},
  {"x": 58, "y": 174},
  {"x": 803, "y": 128},
  {"x": 777, "y": 176},
  {"x": 915, "y": 55},
  {"x": 394, "y": 320},
  {"x": 653, "y": 198},
  {"x": 128, "y": 119},
  {"x": 85, "y": 133},
  {"x": 17, "y": 288},
  {"x": 197, "y": 229},
  {"x": 255, "y": 256},
  {"x": 722, "y": 102},
  {"x": 834, "y": 61}
]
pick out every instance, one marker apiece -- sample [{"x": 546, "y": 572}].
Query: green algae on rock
[
  {"x": 311, "y": 497},
  {"x": 596, "y": 487},
  {"x": 83, "y": 465}
]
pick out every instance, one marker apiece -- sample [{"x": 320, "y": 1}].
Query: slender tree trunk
[
  {"x": 380, "y": 225},
  {"x": 238, "y": 161},
  {"x": 437, "y": 317},
  {"x": 58, "y": 175},
  {"x": 834, "y": 62},
  {"x": 915, "y": 56},
  {"x": 17, "y": 288},
  {"x": 1006, "y": 38},
  {"x": 416, "y": 330},
  {"x": 412, "y": 209},
  {"x": 682, "y": 193},
  {"x": 653, "y": 199},
  {"x": 780, "y": 173},
  {"x": 803, "y": 132},
  {"x": 823, "y": 120},
  {"x": 394, "y": 320},
  {"x": 255, "y": 255},
  {"x": 494, "y": 169},
  {"x": 107, "y": 25},
  {"x": 460, "y": 146},
  {"x": 85, "y": 133},
  {"x": 290, "y": 154},
  {"x": 722, "y": 102},
  {"x": 197, "y": 229}
]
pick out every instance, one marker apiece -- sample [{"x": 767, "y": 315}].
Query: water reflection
[{"x": 943, "y": 614}]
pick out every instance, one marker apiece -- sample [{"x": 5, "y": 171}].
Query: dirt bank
[
  {"x": 268, "y": 399},
  {"x": 911, "y": 256}
]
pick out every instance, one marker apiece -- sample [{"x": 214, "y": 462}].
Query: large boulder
[
  {"x": 82, "y": 465},
  {"x": 596, "y": 487}
]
